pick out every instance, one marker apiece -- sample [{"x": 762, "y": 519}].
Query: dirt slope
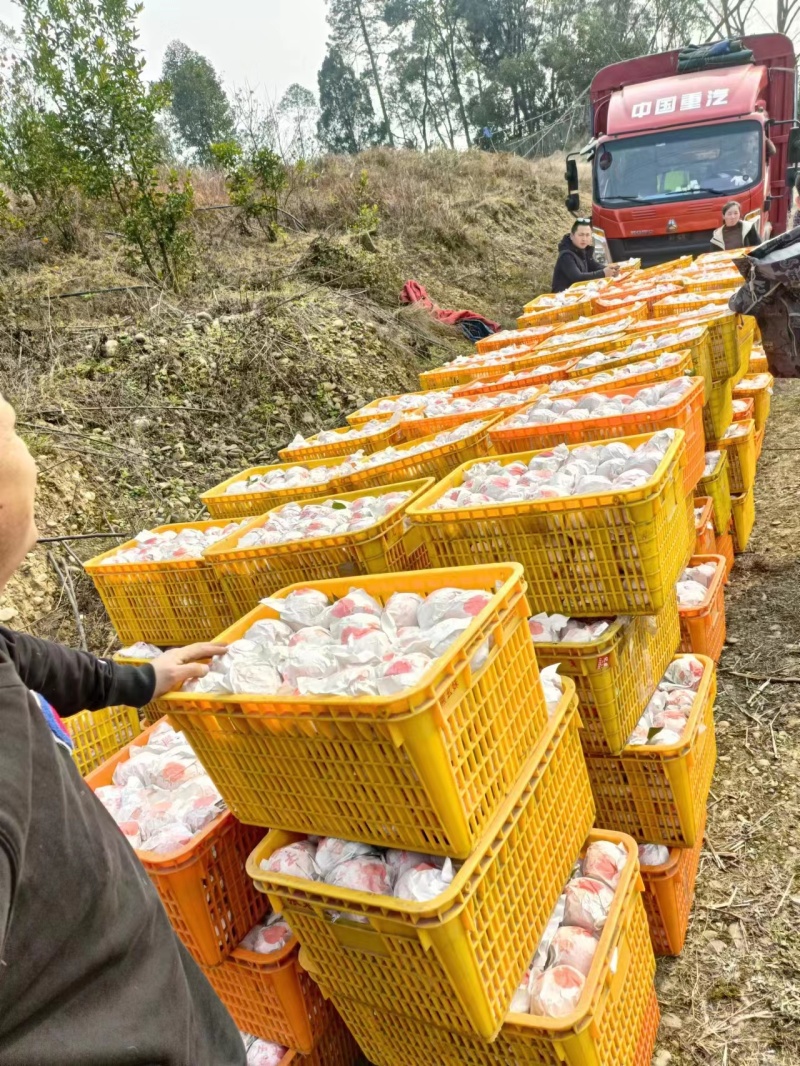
[{"x": 135, "y": 401}]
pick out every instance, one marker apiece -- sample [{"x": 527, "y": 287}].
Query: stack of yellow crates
[{"x": 470, "y": 764}]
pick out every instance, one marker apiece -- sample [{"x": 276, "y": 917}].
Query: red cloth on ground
[{"x": 414, "y": 293}]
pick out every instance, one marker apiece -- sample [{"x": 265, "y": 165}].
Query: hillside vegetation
[{"x": 134, "y": 401}]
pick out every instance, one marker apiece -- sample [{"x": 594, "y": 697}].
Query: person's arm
[
  {"x": 595, "y": 270},
  {"x": 73, "y": 681},
  {"x": 572, "y": 272},
  {"x": 753, "y": 239}
]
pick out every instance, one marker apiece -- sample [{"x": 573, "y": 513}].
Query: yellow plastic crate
[
  {"x": 718, "y": 412},
  {"x": 567, "y": 348},
  {"x": 586, "y": 333},
  {"x": 540, "y": 303},
  {"x": 97, "y": 735},
  {"x": 759, "y": 442},
  {"x": 686, "y": 414},
  {"x": 658, "y": 793},
  {"x": 741, "y": 451},
  {"x": 593, "y": 555},
  {"x": 722, "y": 336},
  {"x": 454, "y": 374},
  {"x": 536, "y": 375},
  {"x": 745, "y": 338},
  {"x": 721, "y": 256},
  {"x": 677, "y": 305},
  {"x": 674, "y": 266},
  {"x": 456, "y": 960},
  {"x": 648, "y": 1033},
  {"x": 424, "y": 770},
  {"x": 717, "y": 487},
  {"x": 554, "y": 315},
  {"x": 512, "y": 336},
  {"x": 621, "y": 297},
  {"x": 616, "y": 675},
  {"x": 700, "y": 348},
  {"x": 758, "y": 363},
  {"x": 369, "y": 412},
  {"x": 437, "y": 462},
  {"x": 637, "y": 311},
  {"x": 604, "y": 1030},
  {"x": 249, "y": 574},
  {"x": 178, "y": 601},
  {"x": 420, "y": 426},
  {"x": 744, "y": 518},
  {"x": 713, "y": 282},
  {"x": 373, "y": 442},
  {"x": 623, "y": 359},
  {"x": 250, "y": 504},
  {"x": 758, "y": 388},
  {"x": 644, "y": 377}
]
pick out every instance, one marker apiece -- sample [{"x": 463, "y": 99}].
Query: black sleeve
[
  {"x": 572, "y": 272},
  {"x": 73, "y": 681},
  {"x": 753, "y": 239},
  {"x": 595, "y": 270}
]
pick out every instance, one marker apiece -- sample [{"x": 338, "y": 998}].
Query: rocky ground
[{"x": 733, "y": 996}]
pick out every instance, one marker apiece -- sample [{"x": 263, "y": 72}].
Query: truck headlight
[{"x": 601, "y": 252}]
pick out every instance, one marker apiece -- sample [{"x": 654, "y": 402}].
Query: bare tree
[
  {"x": 786, "y": 15},
  {"x": 729, "y": 17}
]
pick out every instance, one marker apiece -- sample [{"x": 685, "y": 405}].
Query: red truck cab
[{"x": 669, "y": 150}]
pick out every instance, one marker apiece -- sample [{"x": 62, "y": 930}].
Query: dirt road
[{"x": 733, "y": 997}]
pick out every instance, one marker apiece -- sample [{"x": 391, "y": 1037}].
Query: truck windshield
[{"x": 679, "y": 164}]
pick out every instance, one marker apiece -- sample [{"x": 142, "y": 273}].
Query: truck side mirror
[
  {"x": 571, "y": 174},
  {"x": 794, "y": 145},
  {"x": 573, "y": 200}
]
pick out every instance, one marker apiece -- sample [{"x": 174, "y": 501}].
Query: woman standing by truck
[{"x": 734, "y": 231}]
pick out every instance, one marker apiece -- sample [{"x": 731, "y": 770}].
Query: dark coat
[
  {"x": 91, "y": 973},
  {"x": 574, "y": 264}
]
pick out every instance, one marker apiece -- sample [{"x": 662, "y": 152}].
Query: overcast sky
[{"x": 266, "y": 43}]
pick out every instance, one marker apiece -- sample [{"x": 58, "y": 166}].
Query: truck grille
[{"x": 660, "y": 247}]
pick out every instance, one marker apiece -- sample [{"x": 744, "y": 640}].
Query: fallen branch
[
  {"x": 149, "y": 407},
  {"x": 83, "y": 536},
  {"x": 761, "y": 677},
  {"x": 65, "y": 578},
  {"x": 73, "y": 433},
  {"x": 95, "y": 292}
]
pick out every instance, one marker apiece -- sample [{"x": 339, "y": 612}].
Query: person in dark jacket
[
  {"x": 575, "y": 260},
  {"x": 91, "y": 972}
]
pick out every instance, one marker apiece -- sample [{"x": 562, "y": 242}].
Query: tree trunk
[{"x": 375, "y": 74}]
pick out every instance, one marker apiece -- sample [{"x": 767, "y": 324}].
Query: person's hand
[
  {"x": 611, "y": 271},
  {"x": 177, "y": 665}
]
